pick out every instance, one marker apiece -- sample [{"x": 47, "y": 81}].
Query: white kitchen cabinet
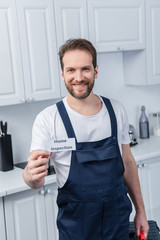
[
  {"x": 117, "y": 25},
  {"x": 28, "y": 52},
  {"x": 11, "y": 74},
  {"x": 143, "y": 67},
  {"x": 71, "y": 19},
  {"x": 2, "y": 223},
  {"x": 31, "y": 214},
  {"x": 71, "y": 22},
  {"x": 51, "y": 211},
  {"x": 149, "y": 176},
  {"x": 151, "y": 189},
  {"x": 39, "y": 49}
]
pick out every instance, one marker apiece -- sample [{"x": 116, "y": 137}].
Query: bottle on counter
[
  {"x": 143, "y": 124},
  {"x": 156, "y": 126}
]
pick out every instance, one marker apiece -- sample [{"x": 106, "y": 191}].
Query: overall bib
[{"x": 93, "y": 203}]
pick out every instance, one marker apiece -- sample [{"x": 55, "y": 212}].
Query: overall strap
[
  {"x": 112, "y": 116},
  {"x": 66, "y": 121}
]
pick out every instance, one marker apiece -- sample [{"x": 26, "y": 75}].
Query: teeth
[{"x": 79, "y": 84}]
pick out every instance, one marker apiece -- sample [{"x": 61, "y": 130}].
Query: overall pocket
[{"x": 99, "y": 167}]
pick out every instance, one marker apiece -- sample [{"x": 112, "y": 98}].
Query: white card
[{"x": 61, "y": 145}]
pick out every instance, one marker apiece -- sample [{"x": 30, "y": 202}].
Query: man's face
[{"x": 78, "y": 73}]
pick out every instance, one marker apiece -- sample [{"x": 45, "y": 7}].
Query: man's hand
[
  {"x": 141, "y": 224},
  {"x": 36, "y": 169}
]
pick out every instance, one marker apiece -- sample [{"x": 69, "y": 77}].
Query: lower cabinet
[
  {"x": 149, "y": 175},
  {"x": 2, "y": 223},
  {"x": 32, "y": 214}
]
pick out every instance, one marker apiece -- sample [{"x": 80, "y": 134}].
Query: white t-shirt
[{"x": 48, "y": 126}]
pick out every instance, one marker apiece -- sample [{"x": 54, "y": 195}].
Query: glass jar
[{"x": 156, "y": 124}]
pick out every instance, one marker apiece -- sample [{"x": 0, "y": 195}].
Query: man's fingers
[
  {"x": 39, "y": 169},
  {"x": 37, "y": 163},
  {"x": 37, "y": 153},
  {"x": 39, "y": 176}
]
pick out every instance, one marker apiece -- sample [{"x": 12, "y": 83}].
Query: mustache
[{"x": 80, "y": 82}]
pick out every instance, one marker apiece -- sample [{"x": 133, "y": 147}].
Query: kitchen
[{"x": 116, "y": 68}]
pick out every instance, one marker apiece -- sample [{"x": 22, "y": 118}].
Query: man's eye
[
  {"x": 86, "y": 69},
  {"x": 70, "y": 70}
]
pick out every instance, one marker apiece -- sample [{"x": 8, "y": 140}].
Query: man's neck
[{"x": 88, "y": 106}]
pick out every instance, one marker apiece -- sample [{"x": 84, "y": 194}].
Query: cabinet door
[
  {"x": 51, "y": 211},
  {"x": 117, "y": 25},
  {"x": 71, "y": 22},
  {"x": 153, "y": 38},
  {"x": 151, "y": 188},
  {"x": 11, "y": 77},
  {"x": 143, "y": 67},
  {"x": 39, "y": 49},
  {"x": 2, "y": 224},
  {"x": 25, "y": 216}
]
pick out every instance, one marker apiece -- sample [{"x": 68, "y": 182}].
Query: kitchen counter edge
[{"x": 12, "y": 181}]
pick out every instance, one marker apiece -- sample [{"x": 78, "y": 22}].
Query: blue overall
[{"x": 93, "y": 203}]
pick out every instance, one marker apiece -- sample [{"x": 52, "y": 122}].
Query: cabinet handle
[
  {"x": 119, "y": 48},
  {"x": 139, "y": 165},
  {"x": 29, "y": 99},
  {"x": 144, "y": 165},
  {"x": 48, "y": 191},
  {"x": 42, "y": 192},
  {"x": 22, "y": 100}
]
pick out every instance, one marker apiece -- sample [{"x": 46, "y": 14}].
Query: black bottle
[{"x": 143, "y": 124}]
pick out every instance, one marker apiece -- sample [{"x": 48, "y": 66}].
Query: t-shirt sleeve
[
  {"x": 125, "y": 127},
  {"x": 122, "y": 122},
  {"x": 40, "y": 134}
]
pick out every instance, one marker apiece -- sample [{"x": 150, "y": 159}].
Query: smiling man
[
  {"x": 94, "y": 177},
  {"x": 79, "y": 78}
]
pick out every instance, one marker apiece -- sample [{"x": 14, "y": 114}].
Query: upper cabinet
[
  {"x": 39, "y": 51},
  {"x": 11, "y": 74},
  {"x": 111, "y": 25},
  {"x": 71, "y": 19},
  {"x": 117, "y": 25},
  {"x": 143, "y": 67},
  {"x": 28, "y": 52},
  {"x": 33, "y": 30},
  {"x": 153, "y": 38},
  {"x": 71, "y": 22}
]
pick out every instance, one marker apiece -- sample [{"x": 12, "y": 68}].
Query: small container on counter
[
  {"x": 143, "y": 124},
  {"x": 156, "y": 124}
]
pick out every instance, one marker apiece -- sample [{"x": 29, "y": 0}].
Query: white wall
[
  {"x": 132, "y": 97},
  {"x": 110, "y": 83}
]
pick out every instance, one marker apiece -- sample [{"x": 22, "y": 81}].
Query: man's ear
[
  {"x": 96, "y": 71},
  {"x": 62, "y": 75}
]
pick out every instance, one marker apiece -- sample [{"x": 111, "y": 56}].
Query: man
[{"x": 92, "y": 178}]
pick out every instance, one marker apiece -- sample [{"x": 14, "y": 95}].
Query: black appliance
[{"x": 6, "y": 155}]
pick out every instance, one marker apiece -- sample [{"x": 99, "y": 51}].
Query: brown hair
[{"x": 81, "y": 44}]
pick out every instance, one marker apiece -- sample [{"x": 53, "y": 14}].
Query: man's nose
[{"x": 79, "y": 76}]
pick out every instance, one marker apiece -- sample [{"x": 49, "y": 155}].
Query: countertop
[
  {"x": 12, "y": 181},
  {"x": 146, "y": 148}
]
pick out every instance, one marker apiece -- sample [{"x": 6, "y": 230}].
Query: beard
[{"x": 84, "y": 95}]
